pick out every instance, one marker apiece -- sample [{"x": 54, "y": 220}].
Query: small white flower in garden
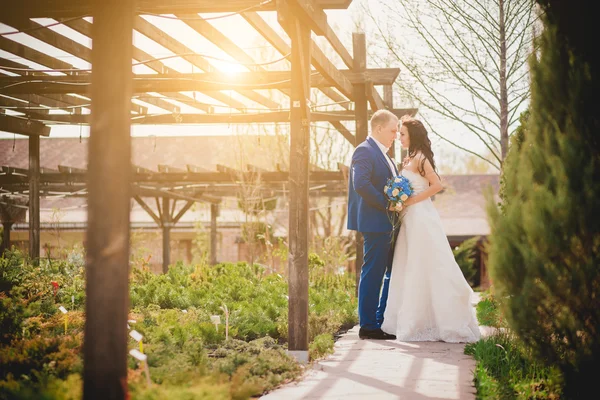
[
  {"x": 395, "y": 192},
  {"x": 403, "y": 197}
]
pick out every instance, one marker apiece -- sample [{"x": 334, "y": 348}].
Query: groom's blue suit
[{"x": 368, "y": 214}]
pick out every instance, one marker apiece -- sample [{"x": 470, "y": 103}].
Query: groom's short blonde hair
[{"x": 381, "y": 117}]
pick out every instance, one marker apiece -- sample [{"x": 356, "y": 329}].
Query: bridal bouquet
[{"x": 398, "y": 190}]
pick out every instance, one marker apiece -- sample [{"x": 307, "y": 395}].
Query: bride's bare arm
[{"x": 435, "y": 185}]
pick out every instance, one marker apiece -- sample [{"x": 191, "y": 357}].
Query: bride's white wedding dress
[{"x": 429, "y": 298}]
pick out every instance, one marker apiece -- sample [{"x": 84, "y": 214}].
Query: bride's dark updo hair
[{"x": 419, "y": 142}]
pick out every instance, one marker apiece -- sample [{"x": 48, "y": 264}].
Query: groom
[{"x": 368, "y": 213}]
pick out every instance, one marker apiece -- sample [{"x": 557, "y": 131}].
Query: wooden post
[
  {"x": 166, "y": 234},
  {"x": 298, "y": 217},
  {"x": 214, "y": 213},
  {"x": 359, "y": 47},
  {"x": 388, "y": 99},
  {"x": 109, "y": 186},
  {"x": 34, "y": 197},
  {"x": 6, "y": 227}
]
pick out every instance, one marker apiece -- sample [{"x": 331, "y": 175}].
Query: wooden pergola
[{"x": 111, "y": 88}]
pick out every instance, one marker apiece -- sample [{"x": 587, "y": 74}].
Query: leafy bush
[
  {"x": 545, "y": 245},
  {"x": 466, "y": 258},
  {"x": 488, "y": 312},
  {"x": 188, "y": 356}
]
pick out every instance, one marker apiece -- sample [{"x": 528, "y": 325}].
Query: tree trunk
[{"x": 503, "y": 84}]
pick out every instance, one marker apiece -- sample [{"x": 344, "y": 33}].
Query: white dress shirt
[{"x": 384, "y": 150}]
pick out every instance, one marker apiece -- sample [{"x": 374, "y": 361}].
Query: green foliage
[
  {"x": 506, "y": 369},
  {"x": 488, "y": 312},
  {"x": 188, "y": 356},
  {"x": 466, "y": 258},
  {"x": 545, "y": 245},
  {"x": 321, "y": 346},
  {"x": 516, "y": 142}
]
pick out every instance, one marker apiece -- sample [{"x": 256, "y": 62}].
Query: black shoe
[{"x": 376, "y": 334}]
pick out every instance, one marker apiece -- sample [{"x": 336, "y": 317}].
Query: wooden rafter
[
  {"x": 154, "y": 33},
  {"x": 374, "y": 97},
  {"x": 319, "y": 60},
  {"x": 23, "y": 126},
  {"x": 40, "y": 58},
  {"x": 313, "y": 15},
  {"x": 205, "y": 82},
  {"x": 239, "y": 118},
  {"x": 85, "y": 28},
  {"x": 76, "y": 8}
]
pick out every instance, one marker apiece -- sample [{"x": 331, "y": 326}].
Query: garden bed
[{"x": 188, "y": 355}]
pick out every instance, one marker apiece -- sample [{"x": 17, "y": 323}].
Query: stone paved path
[{"x": 375, "y": 369}]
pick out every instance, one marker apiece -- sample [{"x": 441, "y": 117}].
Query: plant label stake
[
  {"x": 64, "y": 311},
  {"x": 226, "y": 311},
  {"x": 141, "y": 357},
  {"x": 215, "y": 319}
]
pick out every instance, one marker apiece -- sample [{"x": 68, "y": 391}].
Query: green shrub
[
  {"x": 188, "y": 356},
  {"x": 545, "y": 246},
  {"x": 321, "y": 346},
  {"x": 466, "y": 258}
]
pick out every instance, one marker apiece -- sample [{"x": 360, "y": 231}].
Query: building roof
[
  {"x": 234, "y": 151},
  {"x": 462, "y": 204}
]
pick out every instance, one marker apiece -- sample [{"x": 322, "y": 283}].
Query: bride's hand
[{"x": 397, "y": 208}]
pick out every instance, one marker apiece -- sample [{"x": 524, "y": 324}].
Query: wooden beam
[
  {"x": 159, "y": 36},
  {"x": 388, "y": 100},
  {"x": 220, "y": 118},
  {"x": 71, "y": 170},
  {"x": 23, "y": 126},
  {"x": 166, "y": 234},
  {"x": 349, "y": 136},
  {"x": 299, "y": 192},
  {"x": 31, "y": 54},
  {"x": 314, "y": 16},
  {"x": 359, "y": 48},
  {"x": 147, "y": 208},
  {"x": 374, "y": 97},
  {"x": 109, "y": 201},
  {"x": 76, "y": 8},
  {"x": 167, "y": 168},
  {"x": 34, "y": 197},
  {"x": 5, "y": 245},
  {"x": 195, "y": 168},
  {"x": 183, "y": 210},
  {"x": 61, "y": 42},
  {"x": 48, "y": 36},
  {"x": 203, "y": 82},
  {"x": 85, "y": 28},
  {"x": 265, "y": 30},
  {"x": 331, "y": 72},
  {"x": 216, "y": 37},
  {"x": 214, "y": 213}
]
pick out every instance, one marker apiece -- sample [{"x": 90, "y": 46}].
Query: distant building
[{"x": 461, "y": 204}]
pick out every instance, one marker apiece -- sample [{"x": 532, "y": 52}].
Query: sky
[{"x": 344, "y": 22}]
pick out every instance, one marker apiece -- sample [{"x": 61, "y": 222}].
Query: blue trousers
[{"x": 374, "y": 278}]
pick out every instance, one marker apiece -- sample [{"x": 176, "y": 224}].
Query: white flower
[
  {"x": 395, "y": 192},
  {"x": 399, "y": 207},
  {"x": 403, "y": 197},
  {"x": 385, "y": 188},
  {"x": 397, "y": 180}
]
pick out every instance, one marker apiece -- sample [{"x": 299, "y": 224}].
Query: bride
[{"x": 429, "y": 298}]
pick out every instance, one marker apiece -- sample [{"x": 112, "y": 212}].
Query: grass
[{"x": 506, "y": 369}]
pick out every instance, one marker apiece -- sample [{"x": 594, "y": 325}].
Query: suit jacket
[{"x": 367, "y": 204}]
